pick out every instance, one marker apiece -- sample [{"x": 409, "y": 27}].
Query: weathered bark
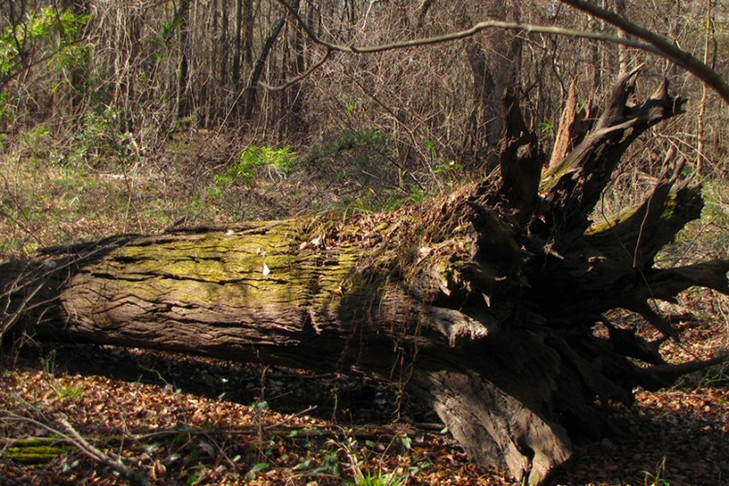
[{"x": 482, "y": 302}]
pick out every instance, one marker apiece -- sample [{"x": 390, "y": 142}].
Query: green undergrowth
[
  {"x": 59, "y": 188},
  {"x": 716, "y": 376},
  {"x": 46, "y": 203},
  {"x": 95, "y": 181},
  {"x": 707, "y": 237},
  {"x": 256, "y": 162},
  {"x": 56, "y": 190},
  {"x": 363, "y": 165}
]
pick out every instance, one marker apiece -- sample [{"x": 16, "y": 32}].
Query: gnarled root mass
[{"x": 482, "y": 302}]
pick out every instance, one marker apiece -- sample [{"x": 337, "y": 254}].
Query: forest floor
[
  {"x": 91, "y": 412},
  {"x": 184, "y": 420}
]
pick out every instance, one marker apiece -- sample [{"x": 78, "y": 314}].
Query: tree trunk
[
  {"x": 182, "y": 16},
  {"x": 250, "y": 92},
  {"x": 237, "y": 46},
  {"x": 483, "y": 302}
]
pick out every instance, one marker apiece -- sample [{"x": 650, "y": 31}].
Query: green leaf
[
  {"x": 407, "y": 442},
  {"x": 258, "y": 467},
  {"x": 547, "y": 125},
  {"x": 302, "y": 465}
]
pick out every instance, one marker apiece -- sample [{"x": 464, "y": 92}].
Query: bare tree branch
[
  {"x": 65, "y": 432},
  {"x": 450, "y": 37},
  {"x": 649, "y": 41},
  {"x": 463, "y": 34},
  {"x": 301, "y": 76},
  {"x": 659, "y": 45}
]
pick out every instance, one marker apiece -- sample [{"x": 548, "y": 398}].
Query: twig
[
  {"x": 301, "y": 76},
  {"x": 99, "y": 456},
  {"x": 291, "y": 417},
  {"x": 72, "y": 437}
]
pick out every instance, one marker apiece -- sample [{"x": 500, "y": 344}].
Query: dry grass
[{"x": 51, "y": 196}]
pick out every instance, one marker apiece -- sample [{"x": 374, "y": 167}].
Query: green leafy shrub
[
  {"x": 255, "y": 162},
  {"x": 37, "y": 51},
  {"x": 48, "y": 33}
]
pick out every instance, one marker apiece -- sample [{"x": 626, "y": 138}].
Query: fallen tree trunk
[{"x": 483, "y": 303}]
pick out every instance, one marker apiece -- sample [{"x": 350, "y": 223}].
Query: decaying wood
[
  {"x": 483, "y": 302},
  {"x": 571, "y": 127}
]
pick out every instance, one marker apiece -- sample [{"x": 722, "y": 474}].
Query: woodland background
[
  {"x": 135, "y": 116},
  {"x": 165, "y": 109}
]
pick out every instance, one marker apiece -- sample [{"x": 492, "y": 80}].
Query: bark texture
[{"x": 483, "y": 302}]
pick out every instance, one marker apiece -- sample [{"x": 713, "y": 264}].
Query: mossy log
[
  {"x": 482, "y": 302},
  {"x": 36, "y": 450}
]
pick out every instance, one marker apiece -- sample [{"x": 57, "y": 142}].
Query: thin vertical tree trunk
[
  {"x": 78, "y": 74},
  {"x": 623, "y": 57},
  {"x": 250, "y": 94},
  {"x": 294, "y": 98},
  {"x": 224, "y": 63},
  {"x": 235, "y": 74},
  {"x": 248, "y": 21},
  {"x": 708, "y": 40},
  {"x": 182, "y": 16}
]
